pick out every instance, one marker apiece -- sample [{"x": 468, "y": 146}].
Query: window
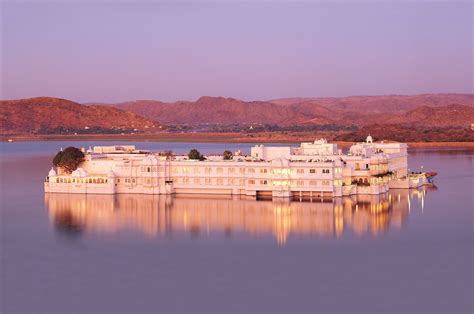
[
  {"x": 230, "y": 170},
  {"x": 312, "y": 170},
  {"x": 263, "y": 170},
  {"x": 264, "y": 182},
  {"x": 208, "y": 170},
  {"x": 251, "y": 170},
  {"x": 220, "y": 181},
  {"x": 251, "y": 181},
  {"x": 366, "y": 166},
  {"x": 300, "y": 171},
  {"x": 357, "y": 166},
  {"x": 313, "y": 182},
  {"x": 148, "y": 169},
  {"x": 208, "y": 181},
  {"x": 300, "y": 182},
  {"x": 282, "y": 171},
  {"x": 325, "y": 182},
  {"x": 197, "y": 181},
  {"x": 326, "y": 171}
]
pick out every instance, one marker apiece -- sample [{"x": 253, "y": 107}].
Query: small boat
[
  {"x": 10, "y": 140},
  {"x": 418, "y": 179},
  {"x": 430, "y": 176}
]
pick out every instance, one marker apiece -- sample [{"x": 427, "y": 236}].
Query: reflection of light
[
  {"x": 154, "y": 214},
  {"x": 422, "y": 204},
  {"x": 409, "y": 204}
]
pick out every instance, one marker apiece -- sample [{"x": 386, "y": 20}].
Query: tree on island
[
  {"x": 169, "y": 154},
  {"x": 228, "y": 155},
  {"x": 195, "y": 154},
  {"x": 68, "y": 159}
]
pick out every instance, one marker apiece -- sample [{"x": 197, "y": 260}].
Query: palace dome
[{"x": 52, "y": 173}]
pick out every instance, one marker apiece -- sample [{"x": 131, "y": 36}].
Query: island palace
[{"x": 314, "y": 170}]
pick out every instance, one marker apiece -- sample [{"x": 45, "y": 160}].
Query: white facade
[{"x": 310, "y": 172}]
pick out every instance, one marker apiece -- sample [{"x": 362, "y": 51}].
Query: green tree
[
  {"x": 68, "y": 159},
  {"x": 169, "y": 154},
  {"x": 228, "y": 155},
  {"x": 195, "y": 154}
]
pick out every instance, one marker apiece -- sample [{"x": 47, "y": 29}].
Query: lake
[{"x": 406, "y": 251}]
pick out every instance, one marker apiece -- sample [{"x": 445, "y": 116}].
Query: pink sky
[{"x": 169, "y": 50}]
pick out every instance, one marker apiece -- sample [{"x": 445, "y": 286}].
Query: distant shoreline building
[{"x": 313, "y": 171}]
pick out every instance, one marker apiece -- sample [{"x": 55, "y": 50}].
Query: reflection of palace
[{"x": 155, "y": 214}]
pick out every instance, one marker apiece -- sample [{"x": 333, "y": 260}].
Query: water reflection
[{"x": 227, "y": 216}]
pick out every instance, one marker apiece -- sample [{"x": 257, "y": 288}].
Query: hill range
[
  {"x": 430, "y": 110},
  {"x": 427, "y": 117}
]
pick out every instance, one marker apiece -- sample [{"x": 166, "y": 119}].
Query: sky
[{"x": 113, "y": 51}]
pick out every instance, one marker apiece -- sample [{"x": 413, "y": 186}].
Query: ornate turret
[
  {"x": 369, "y": 139},
  {"x": 52, "y": 173}
]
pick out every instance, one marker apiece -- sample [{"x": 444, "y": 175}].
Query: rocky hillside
[
  {"x": 433, "y": 109},
  {"x": 46, "y": 115}
]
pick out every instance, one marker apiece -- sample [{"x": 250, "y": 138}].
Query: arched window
[
  {"x": 90, "y": 180},
  {"x": 148, "y": 169}
]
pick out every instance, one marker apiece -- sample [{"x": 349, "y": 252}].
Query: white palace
[{"x": 317, "y": 170}]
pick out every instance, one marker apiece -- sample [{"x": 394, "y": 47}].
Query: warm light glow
[{"x": 153, "y": 214}]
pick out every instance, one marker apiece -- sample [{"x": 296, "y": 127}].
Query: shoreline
[{"x": 213, "y": 138}]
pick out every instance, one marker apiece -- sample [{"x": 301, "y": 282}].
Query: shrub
[
  {"x": 195, "y": 154},
  {"x": 228, "y": 155}
]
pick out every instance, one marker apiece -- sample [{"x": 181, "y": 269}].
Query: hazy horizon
[
  {"x": 160, "y": 50},
  {"x": 222, "y": 96}
]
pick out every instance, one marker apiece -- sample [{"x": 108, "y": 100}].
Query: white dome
[
  {"x": 52, "y": 173},
  {"x": 79, "y": 172},
  {"x": 355, "y": 149},
  {"x": 369, "y": 139}
]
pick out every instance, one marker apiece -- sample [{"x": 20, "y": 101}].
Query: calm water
[{"x": 407, "y": 251}]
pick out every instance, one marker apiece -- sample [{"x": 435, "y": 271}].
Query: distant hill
[
  {"x": 406, "y": 133},
  {"x": 443, "y": 116},
  {"x": 46, "y": 115},
  {"x": 381, "y": 104},
  {"x": 344, "y": 111}
]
